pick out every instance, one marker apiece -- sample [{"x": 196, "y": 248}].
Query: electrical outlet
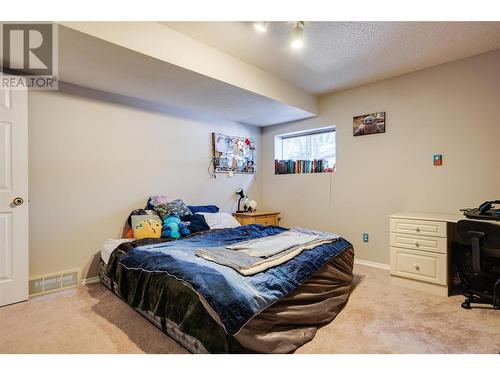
[{"x": 365, "y": 237}]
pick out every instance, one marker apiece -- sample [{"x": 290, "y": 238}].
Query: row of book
[{"x": 299, "y": 166}]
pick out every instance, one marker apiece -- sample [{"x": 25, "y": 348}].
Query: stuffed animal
[
  {"x": 183, "y": 229},
  {"x": 156, "y": 200},
  {"x": 173, "y": 227},
  {"x": 147, "y": 228}
]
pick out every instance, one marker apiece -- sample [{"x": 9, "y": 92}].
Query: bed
[{"x": 210, "y": 308}]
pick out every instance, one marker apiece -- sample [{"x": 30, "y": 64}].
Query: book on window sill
[{"x": 300, "y": 166}]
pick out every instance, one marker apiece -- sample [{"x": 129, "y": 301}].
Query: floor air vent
[{"x": 49, "y": 283}]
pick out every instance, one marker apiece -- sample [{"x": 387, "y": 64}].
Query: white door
[{"x": 13, "y": 196}]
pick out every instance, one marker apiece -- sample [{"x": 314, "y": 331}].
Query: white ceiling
[
  {"x": 339, "y": 55},
  {"x": 97, "y": 64}
]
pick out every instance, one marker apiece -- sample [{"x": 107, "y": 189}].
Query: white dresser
[{"x": 420, "y": 250}]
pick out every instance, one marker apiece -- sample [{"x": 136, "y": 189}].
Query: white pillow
[
  {"x": 220, "y": 220},
  {"x": 109, "y": 245}
]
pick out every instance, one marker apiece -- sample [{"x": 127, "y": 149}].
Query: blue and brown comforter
[{"x": 234, "y": 298}]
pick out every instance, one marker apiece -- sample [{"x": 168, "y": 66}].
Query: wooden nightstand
[{"x": 257, "y": 217}]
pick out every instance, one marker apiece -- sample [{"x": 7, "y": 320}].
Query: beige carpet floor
[{"x": 378, "y": 318}]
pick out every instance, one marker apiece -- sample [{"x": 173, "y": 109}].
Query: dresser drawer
[
  {"x": 423, "y": 227},
  {"x": 419, "y": 265},
  {"x": 417, "y": 242}
]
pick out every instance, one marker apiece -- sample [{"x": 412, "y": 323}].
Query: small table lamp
[{"x": 240, "y": 193}]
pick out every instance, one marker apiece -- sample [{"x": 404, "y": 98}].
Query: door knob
[{"x": 18, "y": 201}]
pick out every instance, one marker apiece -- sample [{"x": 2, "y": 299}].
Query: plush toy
[
  {"x": 156, "y": 200},
  {"x": 173, "y": 227},
  {"x": 147, "y": 228},
  {"x": 183, "y": 229}
]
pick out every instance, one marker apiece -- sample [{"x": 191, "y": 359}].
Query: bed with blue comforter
[{"x": 209, "y": 307}]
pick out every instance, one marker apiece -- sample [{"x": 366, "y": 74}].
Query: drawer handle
[
  {"x": 417, "y": 267},
  {"x": 417, "y": 229},
  {"x": 417, "y": 244}
]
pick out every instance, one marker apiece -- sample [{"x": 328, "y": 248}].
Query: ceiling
[
  {"x": 95, "y": 63},
  {"x": 340, "y": 55}
]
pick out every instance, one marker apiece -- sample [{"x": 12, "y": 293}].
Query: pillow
[
  {"x": 177, "y": 207},
  {"x": 208, "y": 208},
  {"x": 140, "y": 211},
  {"x": 196, "y": 223},
  {"x": 156, "y": 200},
  {"x": 146, "y": 226},
  {"x": 109, "y": 245},
  {"x": 220, "y": 220}
]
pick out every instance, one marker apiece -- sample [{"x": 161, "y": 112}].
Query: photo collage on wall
[{"x": 236, "y": 154}]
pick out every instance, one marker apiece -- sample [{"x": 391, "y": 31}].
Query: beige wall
[
  {"x": 451, "y": 109},
  {"x": 93, "y": 159}
]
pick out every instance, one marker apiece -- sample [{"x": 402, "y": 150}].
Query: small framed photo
[
  {"x": 437, "y": 160},
  {"x": 371, "y": 123}
]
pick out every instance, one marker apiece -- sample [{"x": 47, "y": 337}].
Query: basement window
[{"x": 311, "y": 151}]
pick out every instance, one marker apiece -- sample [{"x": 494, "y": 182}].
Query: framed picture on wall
[{"x": 371, "y": 123}]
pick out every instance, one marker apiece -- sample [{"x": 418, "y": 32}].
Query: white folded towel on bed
[
  {"x": 268, "y": 246},
  {"x": 236, "y": 256}
]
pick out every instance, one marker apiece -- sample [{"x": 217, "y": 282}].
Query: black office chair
[{"x": 477, "y": 258}]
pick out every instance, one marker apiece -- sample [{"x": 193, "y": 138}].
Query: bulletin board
[{"x": 232, "y": 153}]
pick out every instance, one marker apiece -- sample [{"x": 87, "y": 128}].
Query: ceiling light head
[
  {"x": 260, "y": 26},
  {"x": 298, "y": 35},
  {"x": 297, "y": 44}
]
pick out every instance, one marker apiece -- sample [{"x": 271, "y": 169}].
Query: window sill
[{"x": 303, "y": 174}]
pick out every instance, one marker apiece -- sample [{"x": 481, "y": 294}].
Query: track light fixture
[
  {"x": 298, "y": 35},
  {"x": 297, "y": 41},
  {"x": 260, "y": 26}
]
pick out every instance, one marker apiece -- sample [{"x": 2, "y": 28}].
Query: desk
[{"x": 420, "y": 249}]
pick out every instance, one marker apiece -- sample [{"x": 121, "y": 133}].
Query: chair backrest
[{"x": 488, "y": 234}]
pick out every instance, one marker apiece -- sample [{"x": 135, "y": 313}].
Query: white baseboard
[
  {"x": 368, "y": 263},
  {"x": 90, "y": 280}
]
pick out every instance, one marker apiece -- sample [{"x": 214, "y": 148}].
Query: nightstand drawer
[
  {"x": 419, "y": 265},
  {"x": 258, "y": 217},
  {"x": 265, "y": 220},
  {"x": 422, "y": 227},
  {"x": 426, "y": 243}
]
